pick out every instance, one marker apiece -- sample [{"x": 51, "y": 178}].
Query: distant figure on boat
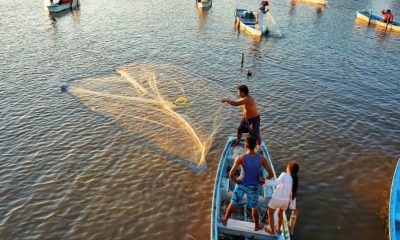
[
  {"x": 251, "y": 164},
  {"x": 264, "y": 6},
  {"x": 262, "y": 10},
  {"x": 250, "y": 122},
  {"x": 387, "y": 16},
  {"x": 284, "y": 197}
]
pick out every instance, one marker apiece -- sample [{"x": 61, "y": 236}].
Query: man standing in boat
[
  {"x": 251, "y": 163},
  {"x": 250, "y": 122},
  {"x": 387, "y": 16}
]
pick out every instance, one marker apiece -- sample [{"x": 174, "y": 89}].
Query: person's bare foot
[
  {"x": 224, "y": 222},
  {"x": 278, "y": 230},
  {"x": 269, "y": 230},
  {"x": 258, "y": 227}
]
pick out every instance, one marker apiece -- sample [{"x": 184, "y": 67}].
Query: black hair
[
  {"x": 294, "y": 168},
  {"x": 244, "y": 89},
  {"x": 251, "y": 142}
]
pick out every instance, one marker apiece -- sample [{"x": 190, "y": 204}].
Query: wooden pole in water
[
  {"x": 241, "y": 66},
  {"x": 370, "y": 16}
]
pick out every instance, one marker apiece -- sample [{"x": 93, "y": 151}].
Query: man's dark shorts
[{"x": 251, "y": 126}]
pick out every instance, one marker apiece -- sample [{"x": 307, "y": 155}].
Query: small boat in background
[
  {"x": 246, "y": 21},
  {"x": 62, "y": 5},
  {"x": 321, "y": 2},
  {"x": 394, "y": 205},
  {"x": 376, "y": 19},
  {"x": 314, "y": 3},
  {"x": 203, "y": 4},
  {"x": 241, "y": 222}
]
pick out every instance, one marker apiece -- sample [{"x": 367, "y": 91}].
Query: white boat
[
  {"x": 241, "y": 222},
  {"x": 246, "y": 21},
  {"x": 203, "y": 4},
  {"x": 62, "y": 5}
]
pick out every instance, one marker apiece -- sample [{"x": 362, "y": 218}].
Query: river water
[{"x": 88, "y": 166}]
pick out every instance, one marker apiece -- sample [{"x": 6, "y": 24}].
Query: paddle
[{"x": 370, "y": 16}]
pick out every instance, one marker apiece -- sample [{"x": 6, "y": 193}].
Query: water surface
[{"x": 328, "y": 92}]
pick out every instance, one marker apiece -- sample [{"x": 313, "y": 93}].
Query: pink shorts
[{"x": 277, "y": 203}]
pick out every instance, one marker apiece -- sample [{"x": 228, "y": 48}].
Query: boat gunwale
[{"x": 392, "y": 201}]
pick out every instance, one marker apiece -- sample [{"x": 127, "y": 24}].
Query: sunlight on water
[{"x": 142, "y": 100}]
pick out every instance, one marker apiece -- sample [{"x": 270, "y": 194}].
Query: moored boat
[
  {"x": 376, "y": 19},
  {"x": 203, "y": 4},
  {"x": 62, "y": 5},
  {"x": 247, "y": 22},
  {"x": 321, "y": 2},
  {"x": 241, "y": 222},
  {"x": 394, "y": 205}
]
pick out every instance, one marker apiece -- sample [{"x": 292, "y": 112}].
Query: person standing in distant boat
[
  {"x": 387, "y": 16},
  {"x": 262, "y": 10},
  {"x": 264, "y": 6},
  {"x": 251, "y": 164},
  {"x": 250, "y": 122}
]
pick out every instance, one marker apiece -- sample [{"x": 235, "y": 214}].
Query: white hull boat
[
  {"x": 62, "y": 5},
  {"x": 203, "y": 4}
]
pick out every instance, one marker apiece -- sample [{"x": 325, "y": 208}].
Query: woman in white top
[{"x": 284, "y": 196}]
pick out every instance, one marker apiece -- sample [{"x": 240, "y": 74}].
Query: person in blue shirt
[{"x": 251, "y": 163}]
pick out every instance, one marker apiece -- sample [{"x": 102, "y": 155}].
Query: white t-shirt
[{"x": 284, "y": 189}]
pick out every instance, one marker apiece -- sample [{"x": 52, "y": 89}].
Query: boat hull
[
  {"x": 377, "y": 20},
  {"x": 394, "y": 205},
  {"x": 54, "y": 8},
  {"x": 204, "y": 4},
  {"x": 248, "y": 27},
  {"x": 321, "y": 2},
  {"x": 243, "y": 225}
]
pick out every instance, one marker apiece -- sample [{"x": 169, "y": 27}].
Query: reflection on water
[{"x": 203, "y": 16}]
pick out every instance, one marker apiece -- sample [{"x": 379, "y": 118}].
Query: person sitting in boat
[
  {"x": 284, "y": 197},
  {"x": 251, "y": 118},
  {"x": 387, "y": 16},
  {"x": 251, "y": 164},
  {"x": 264, "y": 6}
]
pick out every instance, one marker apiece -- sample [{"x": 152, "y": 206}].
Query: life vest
[{"x": 387, "y": 17}]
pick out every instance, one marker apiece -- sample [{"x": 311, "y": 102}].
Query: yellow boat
[{"x": 371, "y": 18}]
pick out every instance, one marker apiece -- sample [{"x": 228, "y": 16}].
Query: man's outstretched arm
[{"x": 233, "y": 103}]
